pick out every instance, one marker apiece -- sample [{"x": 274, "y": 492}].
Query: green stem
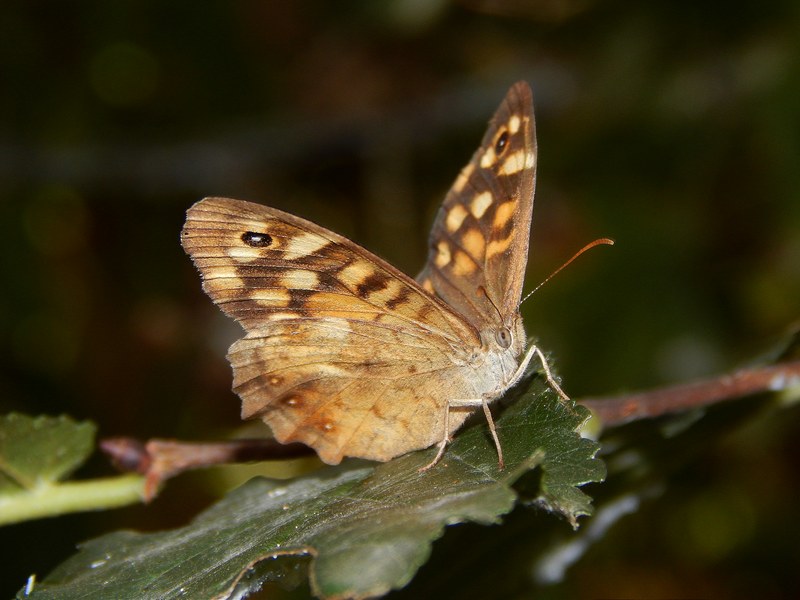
[{"x": 50, "y": 500}]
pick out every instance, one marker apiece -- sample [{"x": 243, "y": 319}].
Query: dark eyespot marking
[
  {"x": 503, "y": 337},
  {"x": 501, "y": 144},
  {"x": 257, "y": 240}
]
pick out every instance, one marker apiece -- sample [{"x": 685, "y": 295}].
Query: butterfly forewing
[
  {"x": 260, "y": 264},
  {"x": 479, "y": 240}
]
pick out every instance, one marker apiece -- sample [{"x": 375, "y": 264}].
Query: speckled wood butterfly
[{"x": 348, "y": 355}]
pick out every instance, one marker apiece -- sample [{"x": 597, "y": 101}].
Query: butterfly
[{"x": 348, "y": 355}]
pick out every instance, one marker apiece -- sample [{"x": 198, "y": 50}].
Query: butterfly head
[
  {"x": 505, "y": 334},
  {"x": 510, "y": 337}
]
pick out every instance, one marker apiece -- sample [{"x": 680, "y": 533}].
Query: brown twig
[
  {"x": 160, "y": 460},
  {"x": 616, "y": 410}
]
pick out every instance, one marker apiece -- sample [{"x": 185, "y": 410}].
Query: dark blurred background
[{"x": 673, "y": 127}]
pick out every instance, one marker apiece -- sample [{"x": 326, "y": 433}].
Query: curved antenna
[{"x": 590, "y": 245}]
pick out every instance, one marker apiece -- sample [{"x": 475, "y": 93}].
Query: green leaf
[
  {"x": 36, "y": 453},
  {"x": 367, "y": 529},
  {"x": 36, "y": 450}
]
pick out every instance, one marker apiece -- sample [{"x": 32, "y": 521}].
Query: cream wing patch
[
  {"x": 480, "y": 203},
  {"x": 243, "y": 254},
  {"x": 515, "y": 163},
  {"x": 443, "y": 255},
  {"x": 455, "y": 217},
  {"x": 305, "y": 244}
]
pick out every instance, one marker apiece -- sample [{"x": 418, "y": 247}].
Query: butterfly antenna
[{"x": 590, "y": 245}]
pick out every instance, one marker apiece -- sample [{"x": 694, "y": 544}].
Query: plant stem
[
  {"x": 53, "y": 499},
  {"x": 616, "y": 410}
]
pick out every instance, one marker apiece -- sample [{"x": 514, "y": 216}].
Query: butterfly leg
[
  {"x": 532, "y": 351},
  {"x": 443, "y": 443},
  {"x": 550, "y": 380},
  {"x": 500, "y": 462},
  {"x": 466, "y": 404},
  {"x": 438, "y": 457},
  {"x": 545, "y": 367}
]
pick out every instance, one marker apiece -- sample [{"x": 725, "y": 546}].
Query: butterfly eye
[
  {"x": 501, "y": 143},
  {"x": 503, "y": 337},
  {"x": 257, "y": 240}
]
